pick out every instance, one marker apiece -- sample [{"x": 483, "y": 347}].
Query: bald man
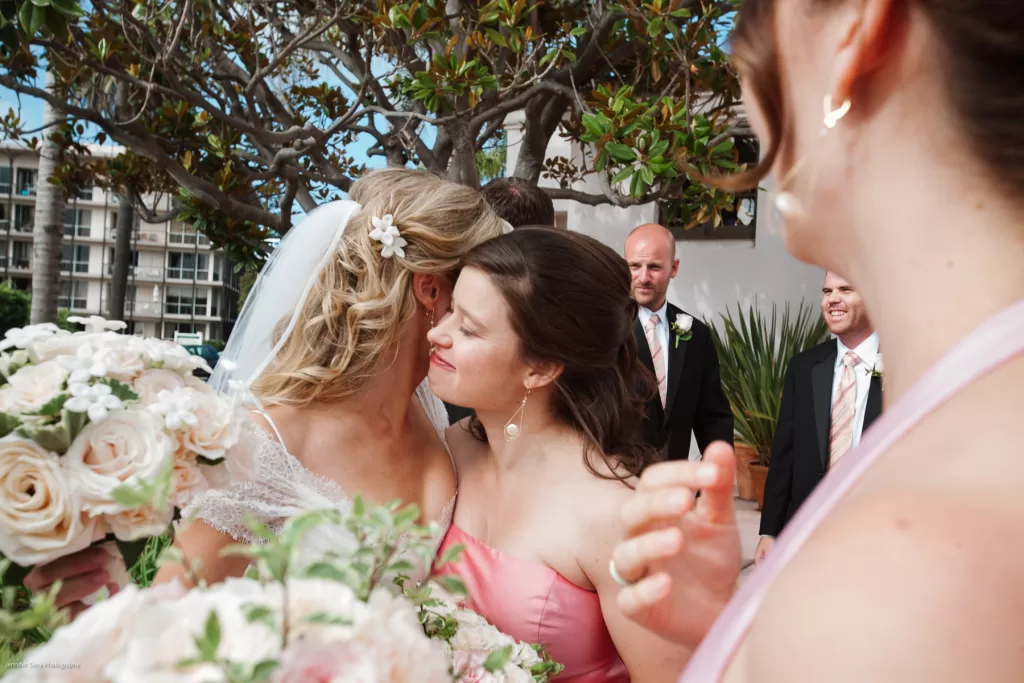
[{"x": 690, "y": 396}]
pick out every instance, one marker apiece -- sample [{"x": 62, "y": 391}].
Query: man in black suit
[
  {"x": 522, "y": 204},
  {"x": 678, "y": 349},
  {"x": 832, "y": 393}
]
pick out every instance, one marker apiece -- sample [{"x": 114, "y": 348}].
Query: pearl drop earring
[{"x": 513, "y": 430}]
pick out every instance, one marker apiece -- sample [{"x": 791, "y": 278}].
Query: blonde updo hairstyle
[{"x": 351, "y": 321}]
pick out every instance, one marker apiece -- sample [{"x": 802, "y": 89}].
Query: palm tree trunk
[
  {"x": 48, "y": 233},
  {"x": 122, "y": 257}
]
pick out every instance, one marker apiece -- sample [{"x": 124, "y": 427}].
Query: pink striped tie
[
  {"x": 657, "y": 354},
  {"x": 844, "y": 410}
]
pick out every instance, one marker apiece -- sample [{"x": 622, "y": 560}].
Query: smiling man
[{"x": 832, "y": 393}]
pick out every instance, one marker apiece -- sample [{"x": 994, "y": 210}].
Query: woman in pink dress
[
  {"x": 906, "y": 563},
  {"x": 540, "y": 343}
]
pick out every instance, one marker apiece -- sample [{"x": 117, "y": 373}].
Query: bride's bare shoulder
[{"x": 904, "y": 578}]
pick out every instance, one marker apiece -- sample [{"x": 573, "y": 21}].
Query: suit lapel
[
  {"x": 874, "y": 407},
  {"x": 676, "y": 358},
  {"x": 822, "y": 375}
]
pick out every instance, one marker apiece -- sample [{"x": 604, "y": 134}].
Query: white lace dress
[{"x": 283, "y": 487}]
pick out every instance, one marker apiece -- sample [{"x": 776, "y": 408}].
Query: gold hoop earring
[{"x": 513, "y": 430}]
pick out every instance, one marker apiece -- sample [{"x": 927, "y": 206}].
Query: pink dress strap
[{"x": 997, "y": 341}]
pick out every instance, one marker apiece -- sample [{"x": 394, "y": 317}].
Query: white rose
[
  {"x": 307, "y": 597},
  {"x": 476, "y": 634},
  {"x": 40, "y": 515},
  {"x": 62, "y": 345},
  {"x": 150, "y": 383},
  {"x": 879, "y": 365},
  {"x": 187, "y": 480},
  {"x": 684, "y": 322},
  {"x": 140, "y": 522},
  {"x": 127, "y": 445},
  {"x": 199, "y": 385},
  {"x": 5, "y": 400},
  {"x": 124, "y": 362},
  {"x": 240, "y": 463},
  {"x": 33, "y": 386},
  {"x": 393, "y": 640},
  {"x": 216, "y": 427}
]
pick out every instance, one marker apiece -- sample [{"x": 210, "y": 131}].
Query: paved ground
[{"x": 748, "y": 519}]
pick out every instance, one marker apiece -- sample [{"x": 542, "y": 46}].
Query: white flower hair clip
[{"x": 386, "y": 232}]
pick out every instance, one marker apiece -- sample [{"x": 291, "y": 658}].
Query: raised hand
[
  {"x": 764, "y": 546},
  {"x": 81, "y": 574},
  {"x": 682, "y": 555}
]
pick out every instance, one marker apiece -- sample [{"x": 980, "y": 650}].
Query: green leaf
[
  {"x": 328, "y": 571},
  {"x": 452, "y": 584},
  {"x": 497, "y": 660},
  {"x": 259, "y": 614},
  {"x": 129, "y": 496},
  {"x": 263, "y": 670},
  {"x": 73, "y": 424},
  {"x": 722, "y": 147},
  {"x": 578, "y": 31},
  {"x": 496, "y": 38},
  {"x": 654, "y": 28},
  {"x": 450, "y": 554},
  {"x": 647, "y": 175},
  {"x": 328, "y": 618},
  {"x": 68, "y": 8},
  {"x": 53, "y": 439},
  {"x": 54, "y": 405},
  {"x": 120, "y": 390},
  {"x": 594, "y": 125},
  {"x": 620, "y": 152},
  {"x": 8, "y": 423},
  {"x": 622, "y": 175}
]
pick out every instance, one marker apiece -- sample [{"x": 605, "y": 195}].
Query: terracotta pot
[
  {"x": 744, "y": 486},
  {"x": 758, "y": 475}
]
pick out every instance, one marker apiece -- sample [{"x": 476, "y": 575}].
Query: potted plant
[{"x": 753, "y": 352}]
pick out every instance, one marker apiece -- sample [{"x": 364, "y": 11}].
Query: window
[
  {"x": 22, "y": 257},
  {"x": 186, "y": 301},
  {"x": 4, "y": 223},
  {"x": 24, "y": 218},
  {"x": 188, "y": 265},
  {"x": 77, "y": 222},
  {"x": 5, "y": 180},
  {"x": 26, "y": 182},
  {"x": 74, "y": 258},
  {"x": 186, "y": 328},
  {"x": 73, "y": 294},
  {"x": 83, "y": 193},
  {"x": 133, "y": 262},
  {"x": 215, "y": 303},
  {"x": 186, "y": 234},
  {"x": 738, "y": 224}
]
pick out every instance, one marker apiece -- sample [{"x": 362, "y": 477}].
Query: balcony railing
[
  {"x": 186, "y": 274},
  {"x": 149, "y": 274},
  {"x": 26, "y": 190},
  {"x": 21, "y": 264},
  {"x": 26, "y": 227}
]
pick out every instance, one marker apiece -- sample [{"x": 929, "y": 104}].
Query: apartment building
[{"x": 176, "y": 283}]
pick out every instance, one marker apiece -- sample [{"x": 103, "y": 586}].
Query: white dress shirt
[
  {"x": 661, "y": 329},
  {"x": 868, "y": 354}
]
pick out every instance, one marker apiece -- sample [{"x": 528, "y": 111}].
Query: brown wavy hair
[
  {"x": 981, "y": 47},
  {"x": 570, "y": 304},
  {"x": 350, "y": 322}
]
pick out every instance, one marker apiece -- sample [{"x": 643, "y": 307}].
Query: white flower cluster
[
  {"x": 477, "y": 640},
  {"x": 170, "y": 635},
  {"x": 90, "y": 419}
]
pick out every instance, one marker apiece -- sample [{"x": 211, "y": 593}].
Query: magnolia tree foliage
[{"x": 243, "y": 108}]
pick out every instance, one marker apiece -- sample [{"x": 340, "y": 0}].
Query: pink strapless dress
[{"x": 535, "y": 604}]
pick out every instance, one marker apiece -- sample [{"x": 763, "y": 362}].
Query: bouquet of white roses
[
  {"x": 104, "y": 437},
  {"x": 346, "y": 618}
]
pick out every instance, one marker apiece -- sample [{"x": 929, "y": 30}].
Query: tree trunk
[
  {"x": 48, "y": 233},
  {"x": 462, "y": 168},
  {"x": 122, "y": 256}
]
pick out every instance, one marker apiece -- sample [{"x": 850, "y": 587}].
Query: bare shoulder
[{"x": 915, "y": 585}]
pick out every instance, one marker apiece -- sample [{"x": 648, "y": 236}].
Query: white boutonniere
[
  {"x": 682, "y": 328},
  {"x": 877, "y": 369}
]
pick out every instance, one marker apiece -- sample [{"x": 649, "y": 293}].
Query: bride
[{"x": 332, "y": 344}]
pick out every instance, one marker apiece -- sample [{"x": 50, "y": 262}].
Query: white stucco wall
[{"x": 712, "y": 274}]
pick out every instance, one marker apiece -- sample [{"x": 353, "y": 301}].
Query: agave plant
[{"x": 753, "y": 351}]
